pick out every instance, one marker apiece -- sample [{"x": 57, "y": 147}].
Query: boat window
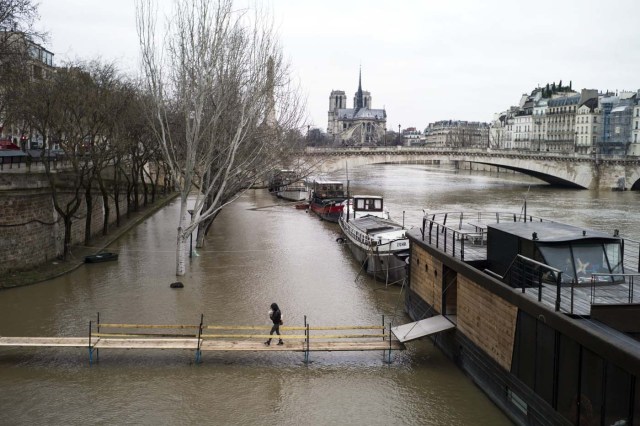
[
  {"x": 579, "y": 261},
  {"x": 560, "y": 258},
  {"x": 377, "y": 204},
  {"x": 614, "y": 256},
  {"x": 360, "y": 204},
  {"x": 590, "y": 259}
]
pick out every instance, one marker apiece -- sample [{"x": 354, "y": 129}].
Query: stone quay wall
[{"x": 31, "y": 231}]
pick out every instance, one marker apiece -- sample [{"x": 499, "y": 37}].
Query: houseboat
[
  {"x": 543, "y": 316},
  {"x": 327, "y": 198},
  {"x": 376, "y": 241},
  {"x": 288, "y": 185},
  {"x": 294, "y": 191}
]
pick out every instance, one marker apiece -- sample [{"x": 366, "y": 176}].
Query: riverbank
[{"x": 56, "y": 267}]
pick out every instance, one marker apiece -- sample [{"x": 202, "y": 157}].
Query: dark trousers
[{"x": 276, "y": 329}]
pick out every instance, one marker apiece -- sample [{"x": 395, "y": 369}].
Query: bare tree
[
  {"x": 108, "y": 97},
  {"x": 222, "y": 74},
  {"x": 57, "y": 111}
]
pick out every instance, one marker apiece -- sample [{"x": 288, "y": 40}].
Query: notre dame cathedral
[{"x": 359, "y": 125}]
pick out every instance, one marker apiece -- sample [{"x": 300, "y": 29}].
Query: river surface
[{"x": 263, "y": 250}]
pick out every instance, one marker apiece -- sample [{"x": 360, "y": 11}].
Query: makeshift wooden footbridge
[{"x": 202, "y": 337}]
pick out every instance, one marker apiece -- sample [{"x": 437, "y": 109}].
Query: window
[
  {"x": 617, "y": 397},
  {"x": 636, "y": 404},
  {"x": 591, "y": 376},
  {"x": 568, "y": 373},
  {"x": 578, "y": 261},
  {"x": 524, "y": 356},
  {"x": 545, "y": 352}
]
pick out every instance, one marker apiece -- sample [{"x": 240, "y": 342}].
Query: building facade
[
  {"x": 559, "y": 119},
  {"x": 27, "y": 58},
  {"x": 634, "y": 148},
  {"x": 457, "y": 134}
]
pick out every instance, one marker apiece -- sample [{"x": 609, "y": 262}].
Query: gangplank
[{"x": 201, "y": 338}]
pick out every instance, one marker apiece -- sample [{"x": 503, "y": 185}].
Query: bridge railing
[{"x": 460, "y": 151}]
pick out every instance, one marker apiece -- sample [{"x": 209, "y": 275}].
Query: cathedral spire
[{"x": 359, "y": 97}]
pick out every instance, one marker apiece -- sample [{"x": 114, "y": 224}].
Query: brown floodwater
[{"x": 262, "y": 250}]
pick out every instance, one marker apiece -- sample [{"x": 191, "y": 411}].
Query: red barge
[{"x": 327, "y": 199}]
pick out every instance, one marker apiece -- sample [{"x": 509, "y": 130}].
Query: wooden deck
[{"x": 578, "y": 300}]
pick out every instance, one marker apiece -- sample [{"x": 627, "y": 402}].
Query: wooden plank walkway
[
  {"x": 192, "y": 344},
  {"x": 206, "y": 338}
]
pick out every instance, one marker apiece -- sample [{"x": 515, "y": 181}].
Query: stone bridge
[{"x": 569, "y": 170}]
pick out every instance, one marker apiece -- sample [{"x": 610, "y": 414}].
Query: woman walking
[{"x": 276, "y": 317}]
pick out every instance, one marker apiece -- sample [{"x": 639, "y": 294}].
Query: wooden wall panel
[
  {"x": 487, "y": 320},
  {"x": 426, "y": 277}
]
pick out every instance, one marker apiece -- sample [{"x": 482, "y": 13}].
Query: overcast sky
[{"x": 421, "y": 60}]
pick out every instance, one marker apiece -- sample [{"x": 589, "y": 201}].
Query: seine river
[{"x": 262, "y": 250}]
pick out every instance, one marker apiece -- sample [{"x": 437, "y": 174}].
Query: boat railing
[
  {"x": 463, "y": 234},
  {"x": 548, "y": 286},
  {"x": 528, "y": 274},
  {"x": 609, "y": 289}
]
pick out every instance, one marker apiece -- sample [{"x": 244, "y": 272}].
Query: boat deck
[
  {"x": 374, "y": 225},
  {"x": 578, "y": 300}
]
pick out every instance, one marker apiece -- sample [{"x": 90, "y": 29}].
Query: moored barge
[
  {"x": 327, "y": 198},
  {"x": 376, "y": 241},
  {"x": 543, "y": 316}
]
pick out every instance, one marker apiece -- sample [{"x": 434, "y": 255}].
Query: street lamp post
[
  {"x": 399, "y": 135},
  {"x": 191, "y": 236}
]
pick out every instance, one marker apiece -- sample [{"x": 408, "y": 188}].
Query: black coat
[{"x": 276, "y": 316}]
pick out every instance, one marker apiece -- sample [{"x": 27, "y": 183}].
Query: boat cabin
[
  {"x": 328, "y": 189},
  {"x": 281, "y": 177},
  {"x": 367, "y": 203},
  {"x": 575, "y": 252}
]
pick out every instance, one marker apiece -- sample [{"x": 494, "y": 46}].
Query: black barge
[{"x": 543, "y": 316}]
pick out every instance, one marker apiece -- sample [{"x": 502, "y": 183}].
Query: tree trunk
[
  {"x": 201, "y": 235},
  {"x": 129, "y": 202},
  {"x": 67, "y": 237},
  {"x": 145, "y": 189},
  {"x": 203, "y": 230},
  {"x": 181, "y": 248},
  {"x": 105, "y": 223},
  {"x": 116, "y": 200},
  {"x": 87, "y": 223}
]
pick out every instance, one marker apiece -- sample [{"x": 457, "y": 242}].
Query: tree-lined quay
[{"x": 213, "y": 114}]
